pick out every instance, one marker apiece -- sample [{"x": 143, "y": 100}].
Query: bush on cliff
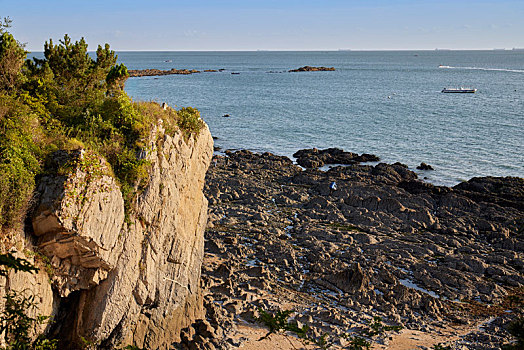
[{"x": 69, "y": 100}]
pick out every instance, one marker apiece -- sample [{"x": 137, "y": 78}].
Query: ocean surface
[{"x": 385, "y": 103}]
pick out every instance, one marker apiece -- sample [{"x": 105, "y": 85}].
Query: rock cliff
[{"x": 118, "y": 277}]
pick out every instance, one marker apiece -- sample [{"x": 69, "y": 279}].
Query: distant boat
[
  {"x": 459, "y": 90},
  {"x": 168, "y": 61}
]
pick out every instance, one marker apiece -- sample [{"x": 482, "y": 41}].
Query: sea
[{"x": 388, "y": 103}]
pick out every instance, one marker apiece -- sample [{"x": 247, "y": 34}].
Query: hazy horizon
[{"x": 292, "y": 25}]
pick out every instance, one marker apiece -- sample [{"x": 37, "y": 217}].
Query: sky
[{"x": 238, "y": 25}]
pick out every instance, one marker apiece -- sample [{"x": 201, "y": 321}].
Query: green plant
[
  {"x": 376, "y": 327},
  {"x": 132, "y": 347},
  {"x": 357, "y": 343},
  {"x": 441, "y": 346},
  {"x": 278, "y": 322},
  {"x": 12, "y": 56},
  {"x": 9, "y": 261},
  {"x": 70, "y": 100},
  {"x": 16, "y": 325},
  {"x": 189, "y": 121}
]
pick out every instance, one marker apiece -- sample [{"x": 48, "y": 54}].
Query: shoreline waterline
[{"x": 385, "y": 103}]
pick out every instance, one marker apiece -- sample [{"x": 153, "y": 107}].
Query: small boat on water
[{"x": 459, "y": 90}]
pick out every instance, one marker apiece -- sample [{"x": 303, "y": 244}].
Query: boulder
[
  {"x": 352, "y": 280},
  {"x": 424, "y": 166}
]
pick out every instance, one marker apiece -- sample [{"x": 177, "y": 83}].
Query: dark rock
[
  {"x": 156, "y": 72},
  {"x": 312, "y": 69},
  {"x": 352, "y": 280},
  {"x": 314, "y": 158},
  {"x": 424, "y": 166},
  {"x": 380, "y": 242}
]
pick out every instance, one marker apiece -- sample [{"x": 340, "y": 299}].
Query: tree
[{"x": 12, "y": 56}]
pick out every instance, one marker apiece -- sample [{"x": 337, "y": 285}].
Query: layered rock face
[{"x": 131, "y": 280}]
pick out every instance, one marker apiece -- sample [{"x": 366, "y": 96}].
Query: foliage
[
  {"x": 357, "y": 343},
  {"x": 5, "y": 23},
  {"x": 12, "y": 56},
  {"x": 440, "y": 346},
  {"x": 15, "y": 323},
  {"x": 189, "y": 120},
  {"x": 19, "y": 153},
  {"x": 277, "y": 322},
  {"x": 8, "y": 261},
  {"x": 68, "y": 100},
  {"x": 376, "y": 327}
]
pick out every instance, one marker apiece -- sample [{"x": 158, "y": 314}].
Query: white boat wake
[{"x": 485, "y": 69}]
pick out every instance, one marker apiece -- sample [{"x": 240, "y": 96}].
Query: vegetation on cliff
[{"x": 68, "y": 100}]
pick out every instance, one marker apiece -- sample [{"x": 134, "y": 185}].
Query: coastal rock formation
[
  {"x": 157, "y": 72},
  {"x": 78, "y": 221},
  {"x": 312, "y": 69},
  {"x": 315, "y": 158},
  {"x": 126, "y": 278},
  {"x": 424, "y": 166},
  {"x": 383, "y": 243}
]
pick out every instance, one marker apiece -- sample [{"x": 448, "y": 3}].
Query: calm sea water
[{"x": 385, "y": 103}]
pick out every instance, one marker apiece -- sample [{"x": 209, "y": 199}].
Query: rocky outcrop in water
[
  {"x": 158, "y": 72},
  {"x": 312, "y": 69},
  {"x": 315, "y": 158}
]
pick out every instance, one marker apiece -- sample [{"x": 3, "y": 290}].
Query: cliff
[{"x": 120, "y": 278}]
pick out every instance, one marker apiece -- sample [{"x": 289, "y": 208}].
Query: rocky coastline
[{"x": 343, "y": 246}]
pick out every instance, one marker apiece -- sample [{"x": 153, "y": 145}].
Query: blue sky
[{"x": 271, "y": 24}]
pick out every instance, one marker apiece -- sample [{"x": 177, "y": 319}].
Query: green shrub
[
  {"x": 19, "y": 159},
  {"x": 189, "y": 121},
  {"x": 16, "y": 325},
  {"x": 70, "y": 100}
]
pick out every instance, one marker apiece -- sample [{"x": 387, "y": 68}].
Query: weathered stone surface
[
  {"x": 353, "y": 280},
  {"x": 153, "y": 290},
  {"x": 379, "y": 243},
  {"x": 78, "y": 220},
  {"x": 314, "y": 158},
  {"x": 134, "y": 281}
]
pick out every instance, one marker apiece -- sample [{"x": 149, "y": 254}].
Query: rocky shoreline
[{"x": 356, "y": 242}]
